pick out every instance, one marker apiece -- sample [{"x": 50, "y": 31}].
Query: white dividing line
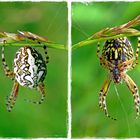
[
  {"x": 33, "y": 0},
  {"x": 88, "y": 1},
  {"x": 69, "y": 71}
]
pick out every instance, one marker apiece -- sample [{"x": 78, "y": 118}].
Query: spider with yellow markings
[
  {"x": 30, "y": 70},
  {"x": 118, "y": 57}
]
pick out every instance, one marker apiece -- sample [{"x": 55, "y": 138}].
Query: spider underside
[
  {"x": 118, "y": 57},
  {"x": 29, "y": 70}
]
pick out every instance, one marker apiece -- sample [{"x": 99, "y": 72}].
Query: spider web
[
  {"x": 79, "y": 28},
  {"x": 53, "y": 20}
]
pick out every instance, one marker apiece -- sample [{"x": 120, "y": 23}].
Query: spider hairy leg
[
  {"x": 46, "y": 53},
  {"x": 98, "y": 54},
  {"x": 7, "y": 70},
  {"x": 137, "y": 54},
  {"x": 98, "y": 50},
  {"x": 137, "y": 50},
  {"x": 134, "y": 90},
  {"x": 41, "y": 89},
  {"x": 127, "y": 64},
  {"x": 102, "y": 97},
  {"x": 12, "y": 98}
]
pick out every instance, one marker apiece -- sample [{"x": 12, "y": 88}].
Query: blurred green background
[
  {"x": 88, "y": 76},
  {"x": 47, "y": 19}
]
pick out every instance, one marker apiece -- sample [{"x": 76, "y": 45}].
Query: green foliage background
[
  {"x": 28, "y": 120},
  {"x": 88, "y": 76}
]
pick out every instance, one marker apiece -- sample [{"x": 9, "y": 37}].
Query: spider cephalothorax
[
  {"x": 29, "y": 70},
  {"x": 118, "y": 57}
]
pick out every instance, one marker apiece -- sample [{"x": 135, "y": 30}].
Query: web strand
[
  {"x": 51, "y": 22},
  {"x": 123, "y": 108},
  {"x": 78, "y": 27}
]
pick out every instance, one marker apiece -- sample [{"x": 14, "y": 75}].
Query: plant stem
[
  {"x": 91, "y": 41},
  {"x": 26, "y": 39},
  {"x": 111, "y": 33},
  {"x": 50, "y": 45}
]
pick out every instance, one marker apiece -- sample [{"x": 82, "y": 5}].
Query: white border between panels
[
  {"x": 33, "y": 0},
  {"x": 69, "y": 71},
  {"x": 88, "y": 1}
]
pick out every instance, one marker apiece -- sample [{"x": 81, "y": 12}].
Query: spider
[
  {"x": 29, "y": 70},
  {"x": 118, "y": 57}
]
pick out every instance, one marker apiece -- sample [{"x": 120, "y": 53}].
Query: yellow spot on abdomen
[{"x": 116, "y": 54}]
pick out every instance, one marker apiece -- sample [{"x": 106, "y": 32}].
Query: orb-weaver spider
[
  {"x": 118, "y": 57},
  {"x": 29, "y": 70}
]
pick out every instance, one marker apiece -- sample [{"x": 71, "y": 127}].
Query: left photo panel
[{"x": 33, "y": 69}]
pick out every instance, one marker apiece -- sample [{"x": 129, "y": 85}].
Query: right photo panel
[{"x": 105, "y": 69}]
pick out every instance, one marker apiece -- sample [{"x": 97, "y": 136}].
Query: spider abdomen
[
  {"x": 117, "y": 50},
  {"x": 29, "y": 67}
]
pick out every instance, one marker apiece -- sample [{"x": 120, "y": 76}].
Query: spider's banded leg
[
  {"x": 134, "y": 90},
  {"x": 46, "y": 53},
  {"x": 41, "y": 89},
  {"x": 102, "y": 97},
  {"x": 7, "y": 70},
  {"x": 98, "y": 54},
  {"x": 137, "y": 50},
  {"x": 13, "y": 96},
  {"x": 137, "y": 53},
  {"x": 98, "y": 50},
  {"x": 125, "y": 64}
]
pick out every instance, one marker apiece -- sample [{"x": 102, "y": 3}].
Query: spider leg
[
  {"x": 41, "y": 89},
  {"x": 98, "y": 54},
  {"x": 134, "y": 90},
  {"x": 126, "y": 65},
  {"x": 7, "y": 70},
  {"x": 98, "y": 50},
  {"x": 46, "y": 53},
  {"x": 13, "y": 96},
  {"x": 137, "y": 54},
  {"x": 102, "y": 97}
]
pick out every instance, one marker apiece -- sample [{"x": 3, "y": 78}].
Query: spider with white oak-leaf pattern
[{"x": 30, "y": 70}]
